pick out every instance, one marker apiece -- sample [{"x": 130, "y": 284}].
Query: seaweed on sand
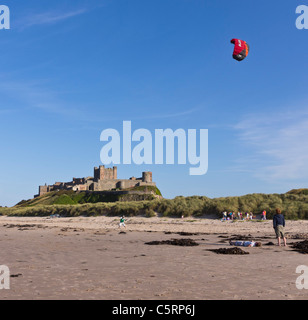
[
  {"x": 301, "y": 246},
  {"x": 175, "y": 242},
  {"x": 234, "y": 250}
]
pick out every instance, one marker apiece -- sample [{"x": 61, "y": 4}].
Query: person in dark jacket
[{"x": 278, "y": 225}]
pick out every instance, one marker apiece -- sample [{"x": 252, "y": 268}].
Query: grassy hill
[
  {"x": 67, "y": 197},
  {"x": 294, "y": 205}
]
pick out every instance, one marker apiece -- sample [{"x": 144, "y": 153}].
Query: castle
[{"x": 104, "y": 179}]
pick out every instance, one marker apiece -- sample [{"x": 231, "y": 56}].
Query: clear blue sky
[{"x": 72, "y": 68}]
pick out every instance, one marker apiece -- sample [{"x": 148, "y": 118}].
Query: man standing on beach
[{"x": 278, "y": 225}]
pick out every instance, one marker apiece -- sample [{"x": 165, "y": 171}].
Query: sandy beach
[{"x": 91, "y": 258}]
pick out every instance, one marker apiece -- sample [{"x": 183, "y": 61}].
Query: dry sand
[{"x": 91, "y": 258}]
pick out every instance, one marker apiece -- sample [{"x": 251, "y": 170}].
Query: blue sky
[{"x": 71, "y": 69}]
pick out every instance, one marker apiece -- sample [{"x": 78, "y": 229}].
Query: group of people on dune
[{"x": 248, "y": 216}]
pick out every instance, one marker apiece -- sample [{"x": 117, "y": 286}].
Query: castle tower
[
  {"x": 96, "y": 174},
  {"x": 147, "y": 176},
  {"x": 43, "y": 190},
  {"x": 103, "y": 173},
  {"x": 109, "y": 173},
  {"x": 115, "y": 172},
  {"x": 102, "y": 170}
]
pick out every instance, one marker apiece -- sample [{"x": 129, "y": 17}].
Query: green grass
[{"x": 294, "y": 205}]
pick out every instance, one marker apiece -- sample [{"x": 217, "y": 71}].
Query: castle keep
[{"x": 104, "y": 179}]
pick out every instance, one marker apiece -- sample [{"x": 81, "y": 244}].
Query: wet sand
[{"x": 91, "y": 258}]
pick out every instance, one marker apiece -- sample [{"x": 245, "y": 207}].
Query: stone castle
[{"x": 104, "y": 179}]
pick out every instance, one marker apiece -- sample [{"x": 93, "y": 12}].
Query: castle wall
[
  {"x": 125, "y": 184},
  {"x": 144, "y": 184},
  {"x": 103, "y": 185}
]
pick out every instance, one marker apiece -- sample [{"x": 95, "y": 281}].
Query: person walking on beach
[
  {"x": 264, "y": 215},
  {"x": 278, "y": 225},
  {"x": 122, "y": 222}
]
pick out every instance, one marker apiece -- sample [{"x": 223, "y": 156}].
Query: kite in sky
[{"x": 241, "y": 49}]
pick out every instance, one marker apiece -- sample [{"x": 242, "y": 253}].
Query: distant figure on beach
[
  {"x": 245, "y": 243},
  {"x": 224, "y": 216},
  {"x": 122, "y": 222},
  {"x": 278, "y": 225},
  {"x": 264, "y": 215},
  {"x": 247, "y": 216},
  {"x": 251, "y": 215}
]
